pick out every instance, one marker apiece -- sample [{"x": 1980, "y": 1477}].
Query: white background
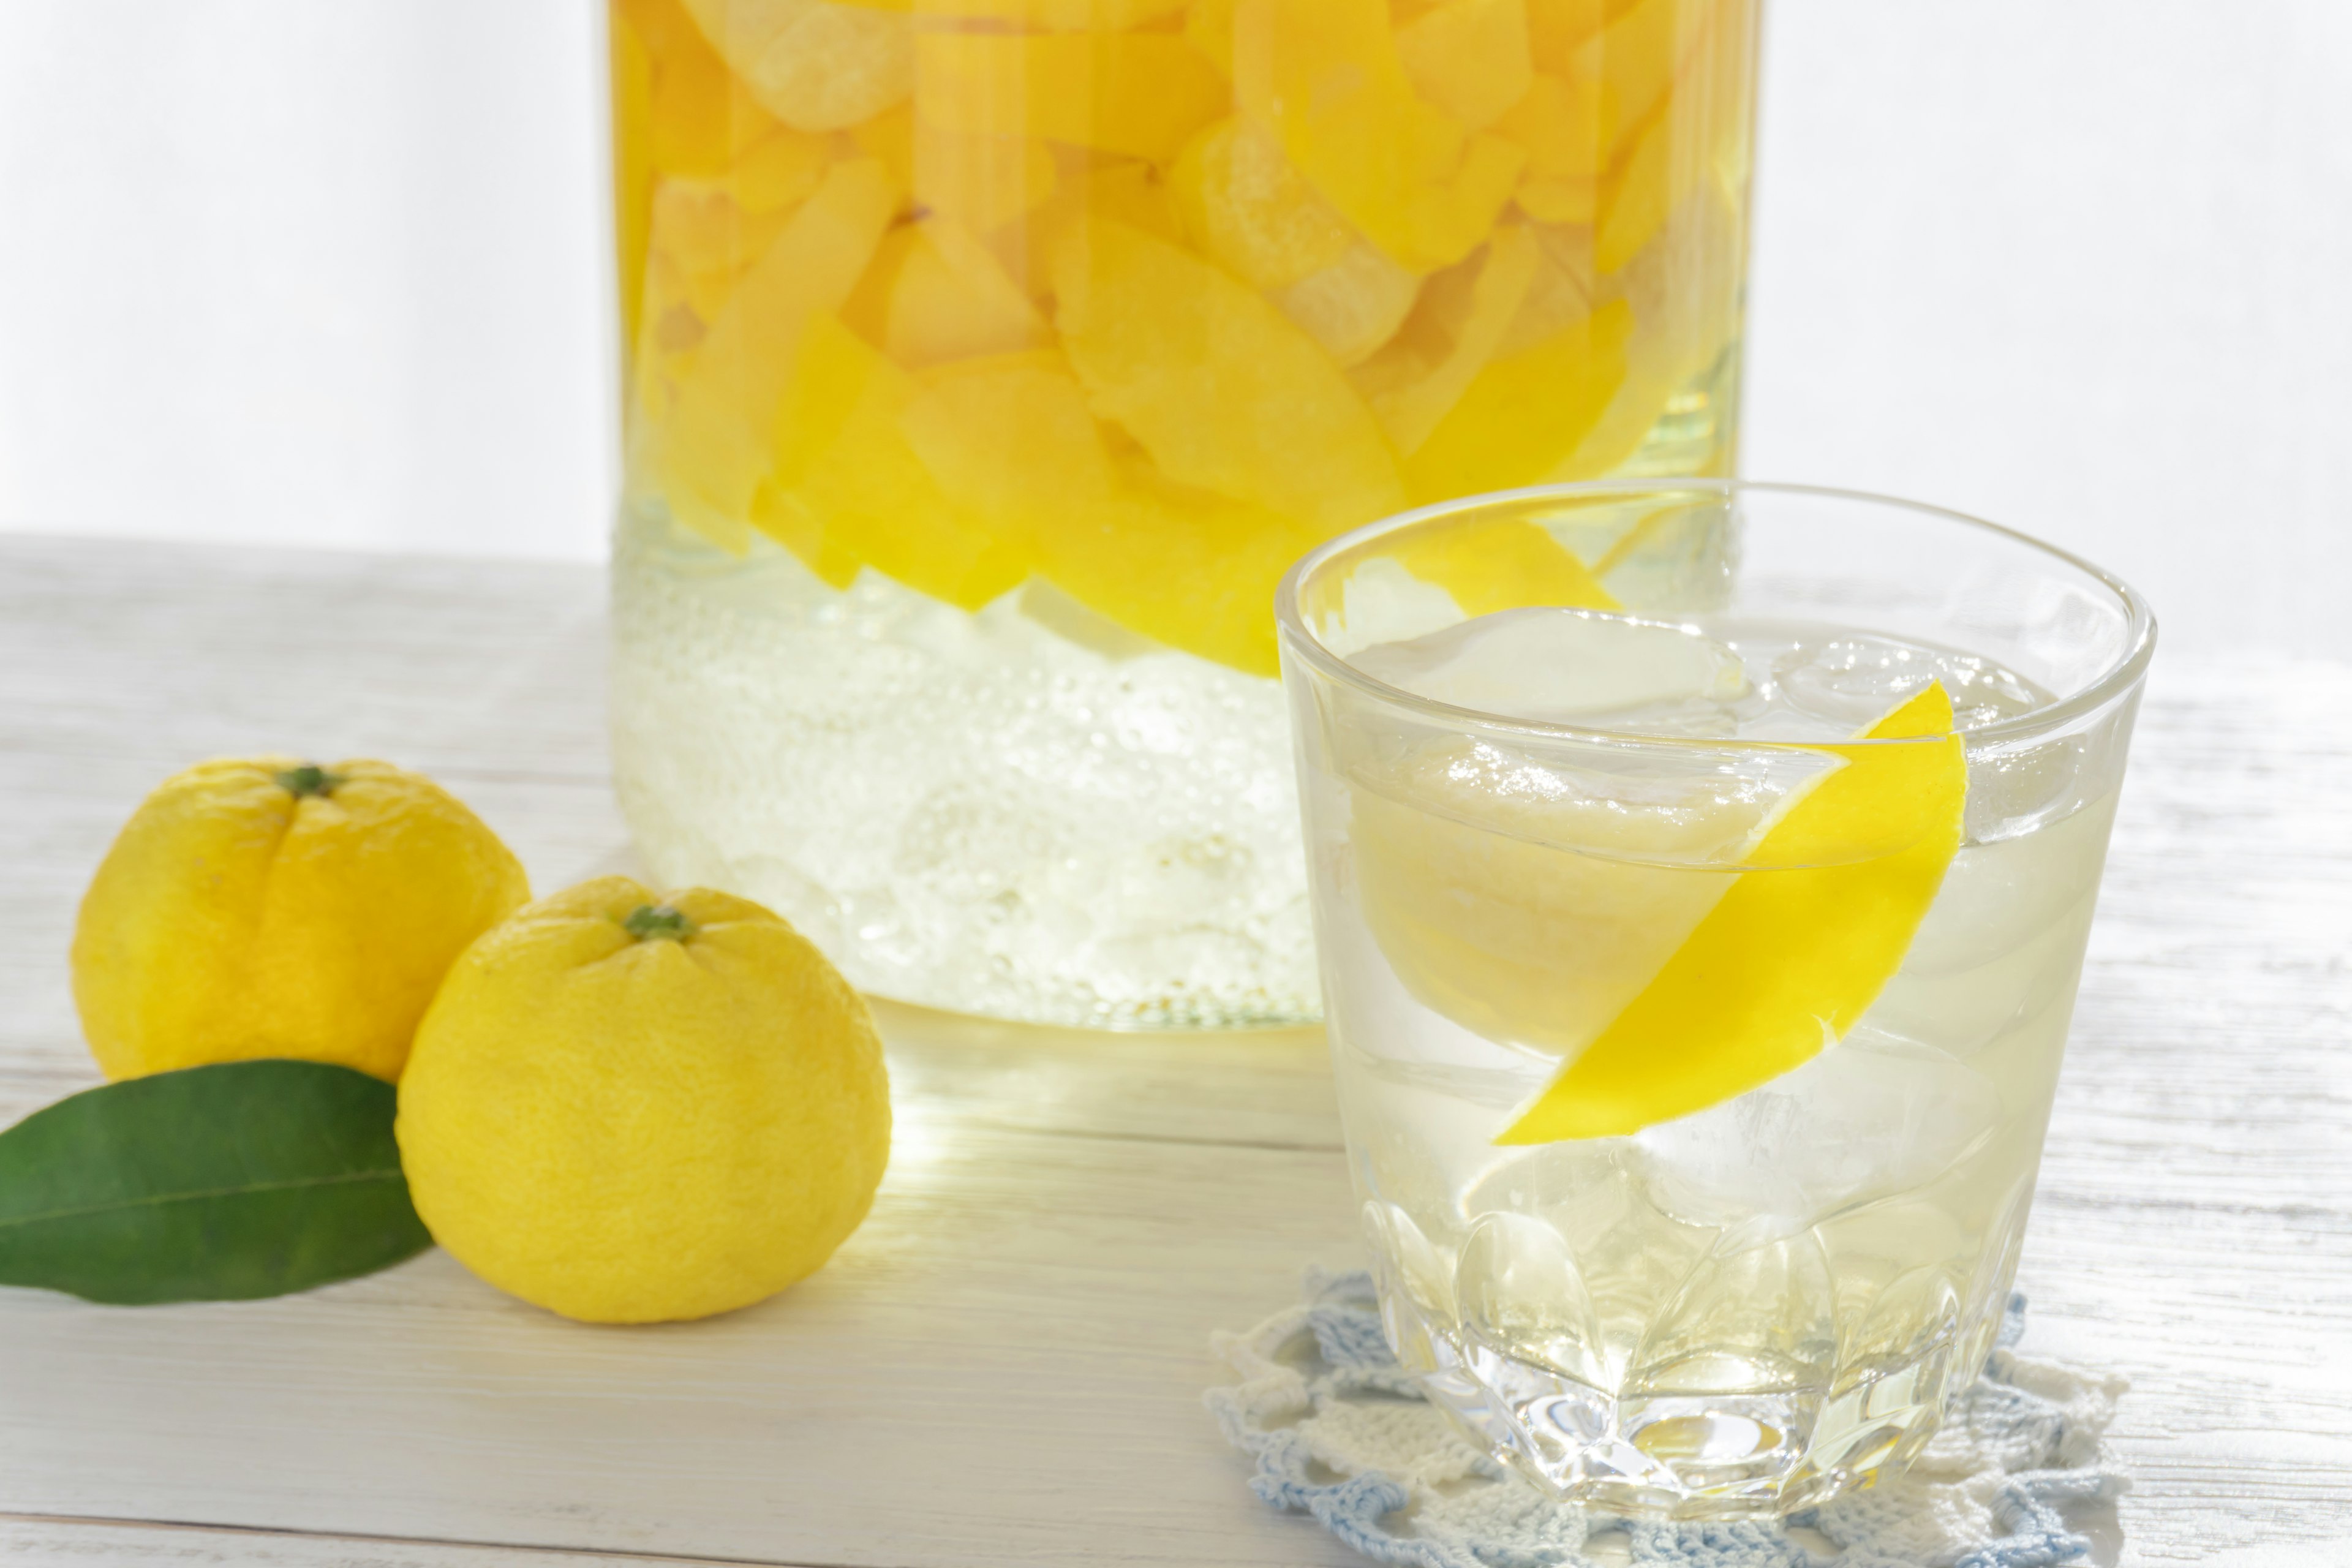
[{"x": 335, "y": 274}]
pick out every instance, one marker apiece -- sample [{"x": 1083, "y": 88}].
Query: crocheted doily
[{"x": 1339, "y": 1431}]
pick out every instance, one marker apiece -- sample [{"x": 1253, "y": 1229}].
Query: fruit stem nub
[
  {"x": 309, "y": 779},
  {"x": 649, "y": 921}
]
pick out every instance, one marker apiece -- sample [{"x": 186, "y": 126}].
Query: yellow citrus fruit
[
  {"x": 266, "y": 906},
  {"x": 629, "y": 1110}
]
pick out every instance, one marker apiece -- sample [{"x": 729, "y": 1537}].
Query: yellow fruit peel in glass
[
  {"x": 1786, "y": 960},
  {"x": 1292, "y": 264}
]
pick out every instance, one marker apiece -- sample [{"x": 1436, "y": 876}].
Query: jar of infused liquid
[{"x": 988, "y": 361}]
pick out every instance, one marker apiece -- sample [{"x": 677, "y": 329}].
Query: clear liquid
[{"x": 1748, "y": 1309}]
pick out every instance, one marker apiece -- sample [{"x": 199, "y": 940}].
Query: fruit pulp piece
[
  {"x": 1048, "y": 16},
  {"x": 1352, "y": 307},
  {"x": 1523, "y": 417},
  {"x": 1249, "y": 208},
  {"x": 717, "y": 446},
  {"x": 1469, "y": 58},
  {"x": 1506, "y": 565},
  {"x": 1562, "y": 129},
  {"x": 846, "y": 477},
  {"x": 1137, "y": 94},
  {"x": 981, "y": 181},
  {"x": 1557, "y": 28},
  {"x": 812, "y": 64},
  {"x": 1411, "y": 178},
  {"x": 1419, "y": 380},
  {"x": 1012, "y": 439},
  {"x": 951, "y": 300},
  {"x": 707, "y": 241},
  {"x": 1662, "y": 150},
  {"x": 1638, "y": 55},
  {"x": 1192, "y": 571},
  {"x": 1789, "y": 959},
  {"x": 1223, "y": 392},
  {"x": 1133, "y": 193}
]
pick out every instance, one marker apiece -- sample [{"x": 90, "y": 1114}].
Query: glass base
[
  {"x": 1719, "y": 1456},
  {"x": 1027, "y": 813},
  {"x": 1732, "y": 1404}
]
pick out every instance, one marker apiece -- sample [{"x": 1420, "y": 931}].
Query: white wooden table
[{"x": 1004, "y": 1365}]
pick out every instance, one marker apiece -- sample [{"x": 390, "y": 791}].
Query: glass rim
[{"x": 1298, "y": 637}]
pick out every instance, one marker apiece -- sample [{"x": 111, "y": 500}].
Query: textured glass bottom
[
  {"x": 1716, "y": 1434},
  {"x": 1026, "y": 812}
]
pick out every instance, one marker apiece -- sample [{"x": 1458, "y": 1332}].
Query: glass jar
[{"x": 988, "y": 361}]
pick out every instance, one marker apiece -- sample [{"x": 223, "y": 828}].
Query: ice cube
[
  {"x": 1556, "y": 664},
  {"x": 1866, "y": 1119}
]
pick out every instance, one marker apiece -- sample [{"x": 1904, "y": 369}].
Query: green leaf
[{"x": 213, "y": 1184}]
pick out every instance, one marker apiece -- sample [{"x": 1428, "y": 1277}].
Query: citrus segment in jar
[
  {"x": 849, "y": 485},
  {"x": 1790, "y": 958},
  {"x": 1139, "y": 94},
  {"x": 1013, "y": 437},
  {"x": 1330, "y": 80},
  {"x": 715, "y": 449},
  {"x": 1506, "y": 565},
  {"x": 1415, "y": 382},
  {"x": 814, "y": 65},
  {"x": 983, "y": 180},
  {"x": 1469, "y": 58},
  {"x": 1052, "y": 15},
  {"x": 1523, "y": 419},
  {"x": 1223, "y": 390},
  {"x": 1192, "y": 571},
  {"x": 942, "y": 296}
]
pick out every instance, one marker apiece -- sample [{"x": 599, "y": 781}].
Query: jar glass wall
[{"x": 988, "y": 361}]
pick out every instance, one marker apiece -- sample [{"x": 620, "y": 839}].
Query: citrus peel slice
[{"x": 1788, "y": 960}]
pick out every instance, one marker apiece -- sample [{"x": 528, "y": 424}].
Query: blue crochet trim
[{"x": 1340, "y": 1316}]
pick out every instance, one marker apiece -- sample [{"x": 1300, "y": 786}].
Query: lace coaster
[{"x": 1339, "y": 1431}]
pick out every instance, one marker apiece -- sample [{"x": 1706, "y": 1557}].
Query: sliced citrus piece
[
  {"x": 1470, "y": 58},
  {"x": 1415, "y": 382},
  {"x": 1133, "y": 193},
  {"x": 1411, "y": 178},
  {"x": 981, "y": 181},
  {"x": 1223, "y": 390},
  {"x": 1189, "y": 570},
  {"x": 1522, "y": 417},
  {"x": 1050, "y": 16},
  {"x": 953, "y": 300},
  {"x": 1011, "y": 440},
  {"x": 1562, "y": 130},
  {"x": 1791, "y": 958},
  {"x": 845, "y": 467},
  {"x": 1137, "y": 94},
  {"x": 716, "y": 447},
  {"x": 1250, "y": 210},
  {"x": 1506, "y": 564},
  {"x": 814, "y": 65},
  {"x": 1352, "y": 307}
]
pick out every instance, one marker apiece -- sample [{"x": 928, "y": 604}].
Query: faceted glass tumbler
[{"x": 1665, "y": 1230}]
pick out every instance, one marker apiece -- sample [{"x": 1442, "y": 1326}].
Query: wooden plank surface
[{"x": 1004, "y": 1365}]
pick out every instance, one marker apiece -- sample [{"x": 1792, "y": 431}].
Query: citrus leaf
[{"x": 211, "y": 1183}]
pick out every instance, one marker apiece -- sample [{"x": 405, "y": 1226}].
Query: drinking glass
[
  {"x": 988, "y": 361},
  {"x": 1699, "y": 933}
]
